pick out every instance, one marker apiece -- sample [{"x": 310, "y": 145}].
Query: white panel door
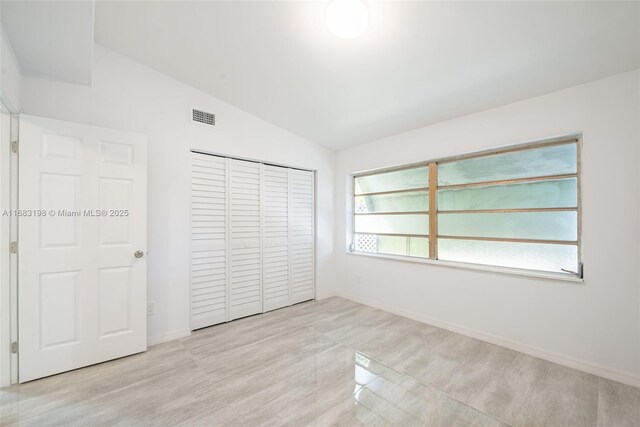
[
  {"x": 208, "y": 240},
  {"x": 301, "y": 187},
  {"x": 82, "y": 289},
  {"x": 245, "y": 246},
  {"x": 275, "y": 254}
]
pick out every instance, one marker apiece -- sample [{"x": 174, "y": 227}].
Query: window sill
[{"x": 477, "y": 267}]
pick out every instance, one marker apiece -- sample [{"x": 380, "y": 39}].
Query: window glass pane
[
  {"x": 390, "y": 181},
  {"x": 558, "y": 193},
  {"x": 392, "y": 245},
  {"x": 554, "y": 160},
  {"x": 531, "y": 256},
  {"x": 522, "y": 225},
  {"x": 419, "y": 247},
  {"x": 398, "y": 202},
  {"x": 395, "y": 224}
]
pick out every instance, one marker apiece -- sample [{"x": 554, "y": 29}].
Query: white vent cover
[{"x": 203, "y": 117}]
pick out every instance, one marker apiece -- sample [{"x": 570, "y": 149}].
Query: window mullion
[{"x": 433, "y": 210}]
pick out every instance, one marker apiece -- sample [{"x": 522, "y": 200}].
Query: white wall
[
  {"x": 128, "y": 96},
  {"x": 594, "y": 326},
  {"x": 10, "y": 76}
]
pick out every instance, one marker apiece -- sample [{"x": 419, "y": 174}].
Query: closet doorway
[{"x": 252, "y": 238}]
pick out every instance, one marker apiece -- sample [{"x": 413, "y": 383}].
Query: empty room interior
[{"x": 320, "y": 213}]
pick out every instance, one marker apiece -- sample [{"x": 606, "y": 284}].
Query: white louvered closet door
[
  {"x": 301, "y": 189},
  {"x": 209, "y": 241},
  {"x": 275, "y": 254},
  {"x": 245, "y": 245}
]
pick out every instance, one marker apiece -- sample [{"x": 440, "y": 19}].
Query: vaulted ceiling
[{"x": 419, "y": 62}]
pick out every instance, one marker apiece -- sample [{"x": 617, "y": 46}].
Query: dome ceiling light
[{"x": 347, "y": 19}]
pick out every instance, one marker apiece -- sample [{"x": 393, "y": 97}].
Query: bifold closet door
[
  {"x": 209, "y": 240},
  {"x": 252, "y": 232},
  {"x": 275, "y": 254},
  {"x": 301, "y": 190},
  {"x": 245, "y": 239}
]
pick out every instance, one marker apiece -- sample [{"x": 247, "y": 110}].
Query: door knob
[{"x": 138, "y": 254}]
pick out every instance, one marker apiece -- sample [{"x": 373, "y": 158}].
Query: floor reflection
[{"x": 392, "y": 398}]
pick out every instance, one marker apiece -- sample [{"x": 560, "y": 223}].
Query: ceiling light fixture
[{"x": 347, "y": 19}]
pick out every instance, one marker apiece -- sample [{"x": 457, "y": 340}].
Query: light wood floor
[{"x": 332, "y": 362}]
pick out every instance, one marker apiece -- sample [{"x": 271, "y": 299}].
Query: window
[{"x": 514, "y": 207}]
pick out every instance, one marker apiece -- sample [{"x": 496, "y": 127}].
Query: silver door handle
[{"x": 138, "y": 254}]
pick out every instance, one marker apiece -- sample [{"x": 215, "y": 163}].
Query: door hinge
[
  {"x": 14, "y": 347},
  {"x": 13, "y": 247},
  {"x": 15, "y": 147}
]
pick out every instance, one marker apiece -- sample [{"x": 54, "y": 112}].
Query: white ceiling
[
  {"x": 418, "y": 63},
  {"x": 53, "y": 39}
]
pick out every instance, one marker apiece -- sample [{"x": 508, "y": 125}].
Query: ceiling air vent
[{"x": 203, "y": 117}]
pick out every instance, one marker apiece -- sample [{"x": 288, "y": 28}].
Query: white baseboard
[
  {"x": 174, "y": 335},
  {"x": 570, "y": 362}
]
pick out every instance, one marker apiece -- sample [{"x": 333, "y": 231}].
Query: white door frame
[
  {"x": 8, "y": 261},
  {"x": 9, "y": 177}
]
